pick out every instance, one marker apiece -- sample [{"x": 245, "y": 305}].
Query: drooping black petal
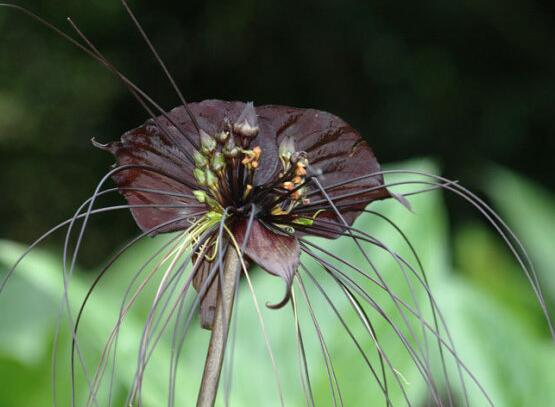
[
  {"x": 276, "y": 253},
  {"x": 208, "y": 300}
]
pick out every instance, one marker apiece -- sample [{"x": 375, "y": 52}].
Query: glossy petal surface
[{"x": 276, "y": 253}]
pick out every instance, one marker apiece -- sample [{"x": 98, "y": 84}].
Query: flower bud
[
  {"x": 221, "y": 136},
  {"x": 200, "y": 195},
  {"x": 211, "y": 179},
  {"x": 207, "y": 143},
  {"x": 247, "y": 123},
  {"x": 203, "y": 197},
  {"x": 218, "y": 161},
  {"x": 200, "y": 159},
  {"x": 287, "y": 148},
  {"x": 200, "y": 176},
  {"x": 230, "y": 150}
]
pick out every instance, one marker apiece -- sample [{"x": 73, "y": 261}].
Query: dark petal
[
  {"x": 165, "y": 148},
  {"x": 335, "y": 151},
  {"x": 167, "y": 171},
  {"x": 278, "y": 254},
  {"x": 208, "y": 300}
]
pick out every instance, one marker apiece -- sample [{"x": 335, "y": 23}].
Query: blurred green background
[{"x": 470, "y": 85}]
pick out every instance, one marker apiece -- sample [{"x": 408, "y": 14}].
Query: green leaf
[
  {"x": 530, "y": 209},
  {"x": 509, "y": 360}
]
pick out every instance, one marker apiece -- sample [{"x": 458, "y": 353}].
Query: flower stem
[{"x": 220, "y": 328}]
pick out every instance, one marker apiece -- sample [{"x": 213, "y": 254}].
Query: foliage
[{"x": 488, "y": 305}]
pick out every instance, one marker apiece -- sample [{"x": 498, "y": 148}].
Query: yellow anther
[
  {"x": 250, "y": 160},
  {"x": 288, "y": 185},
  {"x": 257, "y": 152},
  {"x": 248, "y": 189}
]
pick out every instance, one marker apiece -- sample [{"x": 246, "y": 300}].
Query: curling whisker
[
  {"x": 383, "y": 386},
  {"x": 339, "y": 274},
  {"x": 334, "y": 386}
]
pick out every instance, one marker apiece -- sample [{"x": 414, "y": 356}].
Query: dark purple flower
[{"x": 243, "y": 159}]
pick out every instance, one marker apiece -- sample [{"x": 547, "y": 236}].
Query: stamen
[{"x": 248, "y": 190}]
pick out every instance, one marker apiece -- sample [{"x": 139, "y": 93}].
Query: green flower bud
[
  {"x": 212, "y": 203},
  {"x": 211, "y": 179},
  {"x": 200, "y": 159},
  {"x": 218, "y": 162},
  {"x": 221, "y": 136},
  {"x": 207, "y": 143},
  {"x": 199, "y": 176},
  {"x": 200, "y": 195}
]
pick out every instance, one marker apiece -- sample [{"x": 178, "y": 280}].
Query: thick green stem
[{"x": 220, "y": 327}]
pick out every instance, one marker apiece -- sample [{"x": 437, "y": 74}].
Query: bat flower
[
  {"x": 290, "y": 171},
  {"x": 251, "y": 182}
]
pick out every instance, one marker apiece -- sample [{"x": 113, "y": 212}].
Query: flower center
[{"x": 225, "y": 168}]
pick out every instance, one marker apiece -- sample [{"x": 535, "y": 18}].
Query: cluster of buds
[
  {"x": 219, "y": 157},
  {"x": 210, "y": 162},
  {"x": 293, "y": 177},
  {"x": 298, "y": 165},
  {"x": 209, "y": 167}
]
